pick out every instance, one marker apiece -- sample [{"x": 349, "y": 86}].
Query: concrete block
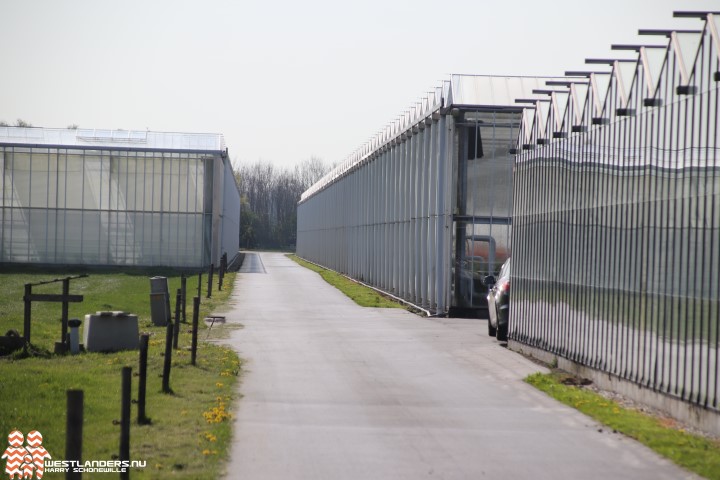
[{"x": 111, "y": 331}]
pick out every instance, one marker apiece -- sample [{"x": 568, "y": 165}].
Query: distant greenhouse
[
  {"x": 116, "y": 197},
  {"x": 423, "y": 210}
]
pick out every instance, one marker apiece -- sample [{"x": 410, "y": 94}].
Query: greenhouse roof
[
  {"x": 490, "y": 90},
  {"x": 466, "y": 91},
  {"x": 100, "y": 138}
]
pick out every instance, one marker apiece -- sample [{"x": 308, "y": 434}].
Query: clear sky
[{"x": 286, "y": 80}]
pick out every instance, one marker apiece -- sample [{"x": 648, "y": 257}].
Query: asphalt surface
[
  {"x": 252, "y": 264},
  {"x": 336, "y": 391}
]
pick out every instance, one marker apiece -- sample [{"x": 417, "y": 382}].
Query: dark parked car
[{"x": 499, "y": 302}]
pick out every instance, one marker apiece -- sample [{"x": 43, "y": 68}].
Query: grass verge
[
  {"x": 190, "y": 431},
  {"x": 693, "y": 452},
  {"x": 360, "y": 294}
]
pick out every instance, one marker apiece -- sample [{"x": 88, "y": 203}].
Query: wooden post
[
  {"x": 183, "y": 287},
  {"x": 125, "y": 419},
  {"x": 63, "y": 334},
  {"x": 196, "y": 316},
  {"x": 221, "y": 273},
  {"x": 199, "y": 284},
  {"x": 142, "y": 419},
  {"x": 73, "y": 431},
  {"x": 176, "y": 329},
  {"x": 168, "y": 358},
  {"x": 26, "y": 322},
  {"x": 210, "y": 279}
]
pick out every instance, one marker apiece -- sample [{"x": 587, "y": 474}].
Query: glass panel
[
  {"x": 20, "y": 177},
  {"x": 157, "y": 184},
  {"x": 130, "y": 183},
  {"x": 74, "y": 188}
]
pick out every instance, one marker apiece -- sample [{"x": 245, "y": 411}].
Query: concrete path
[{"x": 333, "y": 391}]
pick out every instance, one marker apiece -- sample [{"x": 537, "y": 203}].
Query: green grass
[
  {"x": 191, "y": 429},
  {"x": 119, "y": 289},
  {"x": 360, "y": 294},
  {"x": 696, "y": 453}
]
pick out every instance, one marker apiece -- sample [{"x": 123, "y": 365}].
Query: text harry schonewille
[{"x": 93, "y": 466}]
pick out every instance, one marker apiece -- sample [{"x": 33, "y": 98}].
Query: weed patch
[{"x": 360, "y": 294}]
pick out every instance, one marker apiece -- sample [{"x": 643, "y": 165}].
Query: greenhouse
[
  {"x": 116, "y": 197},
  {"x": 604, "y": 183},
  {"x": 422, "y": 211},
  {"x": 616, "y": 239}
]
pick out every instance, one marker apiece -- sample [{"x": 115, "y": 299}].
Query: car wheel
[
  {"x": 502, "y": 332},
  {"x": 491, "y": 330}
]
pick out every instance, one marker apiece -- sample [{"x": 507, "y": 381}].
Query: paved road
[
  {"x": 333, "y": 391},
  {"x": 252, "y": 264}
]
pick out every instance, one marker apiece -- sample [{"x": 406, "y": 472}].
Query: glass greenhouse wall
[
  {"x": 423, "y": 210},
  {"x": 115, "y": 198},
  {"x": 616, "y": 236}
]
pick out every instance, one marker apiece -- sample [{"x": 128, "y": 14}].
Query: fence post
[
  {"x": 125, "y": 420},
  {"x": 73, "y": 431},
  {"x": 142, "y": 380},
  {"x": 168, "y": 358},
  {"x": 199, "y": 284},
  {"x": 196, "y": 315},
  {"x": 210, "y": 278},
  {"x": 176, "y": 329},
  {"x": 221, "y": 275},
  {"x": 183, "y": 287},
  {"x": 63, "y": 334},
  {"x": 26, "y": 322}
]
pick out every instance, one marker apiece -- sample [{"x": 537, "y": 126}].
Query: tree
[
  {"x": 269, "y": 197},
  {"x": 22, "y": 123},
  {"x": 310, "y": 171}
]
